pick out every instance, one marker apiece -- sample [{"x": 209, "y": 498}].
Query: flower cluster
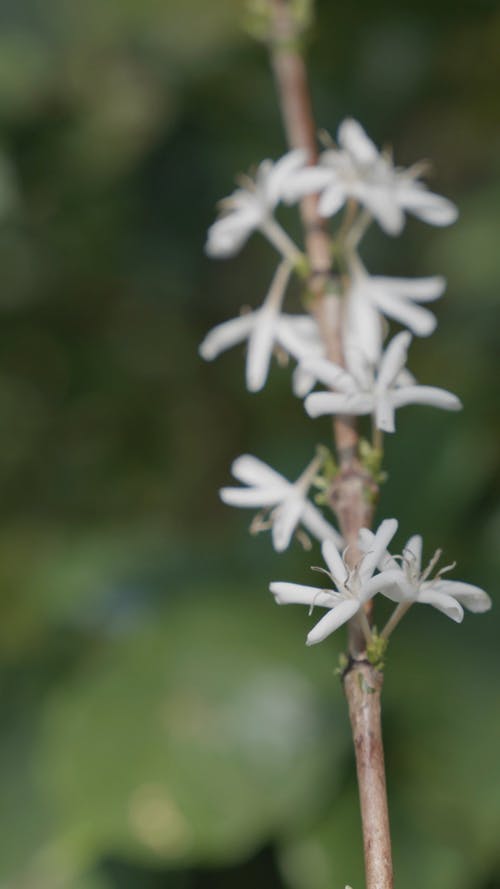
[
  {"x": 374, "y": 380},
  {"x": 399, "y": 578}
]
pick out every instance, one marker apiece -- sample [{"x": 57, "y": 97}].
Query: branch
[{"x": 354, "y": 490}]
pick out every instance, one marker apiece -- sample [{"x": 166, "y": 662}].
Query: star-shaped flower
[
  {"x": 358, "y": 170},
  {"x": 265, "y": 329},
  {"x": 359, "y": 391},
  {"x": 369, "y": 297},
  {"x": 415, "y": 585},
  {"x": 251, "y": 207},
  {"x": 352, "y": 586},
  {"x": 285, "y": 502}
]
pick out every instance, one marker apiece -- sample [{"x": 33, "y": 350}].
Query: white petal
[
  {"x": 330, "y": 374},
  {"x": 393, "y": 359},
  {"x": 302, "y": 382},
  {"x": 316, "y": 524},
  {"x": 333, "y": 620},
  {"x": 384, "y": 414},
  {"x": 413, "y": 551},
  {"x": 334, "y": 561},
  {"x": 252, "y": 471},
  {"x": 260, "y": 347},
  {"x": 473, "y": 597},
  {"x": 429, "y": 207},
  {"x": 385, "y": 532},
  {"x": 442, "y": 602},
  {"x": 319, "y": 403},
  {"x": 294, "y": 338},
  {"x": 283, "y": 174},
  {"x": 394, "y": 593},
  {"x": 285, "y": 519},
  {"x": 366, "y": 543},
  {"x": 425, "y": 395},
  {"x": 381, "y": 202},
  {"x": 298, "y": 594},
  {"x": 352, "y": 137},
  {"x": 418, "y": 289},
  {"x": 386, "y": 580},
  {"x": 364, "y": 323},
  {"x": 251, "y": 498},
  {"x": 226, "y": 335},
  {"x": 228, "y": 234},
  {"x": 310, "y": 180},
  {"x": 419, "y": 320},
  {"x": 332, "y": 199}
]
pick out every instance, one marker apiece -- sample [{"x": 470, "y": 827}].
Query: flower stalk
[
  {"x": 339, "y": 343},
  {"x": 362, "y": 682}
]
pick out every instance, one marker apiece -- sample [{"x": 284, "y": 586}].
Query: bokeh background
[{"x": 162, "y": 723}]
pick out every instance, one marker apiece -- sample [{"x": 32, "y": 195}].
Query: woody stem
[{"x": 362, "y": 683}]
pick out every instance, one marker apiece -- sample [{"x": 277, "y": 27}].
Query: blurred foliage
[{"x": 163, "y": 724}]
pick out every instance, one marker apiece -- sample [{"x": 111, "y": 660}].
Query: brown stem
[
  {"x": 363, "y": 687},
  {"x": 354, "y": 490},
  {"x": 296, "y": 109}
]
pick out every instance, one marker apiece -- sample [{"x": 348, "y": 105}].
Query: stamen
[
  {"x": 433, "y": 562},
  {"x": 304, "y": 539},
  {"x": 261, "y": 522},
  {"x": 323, "y": 571}
]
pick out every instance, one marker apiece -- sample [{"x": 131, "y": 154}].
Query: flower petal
[
  {"x": 334, "y": 561},
  {"x": 364, "y": 323},
  {"x": 393, "y": 359},
  {"x": 419, "y": 320},
  {"x": 298, "y": 594},
  {"x": 418, "y": 289},
  {"x": 387, "y": 580},
  {"x": 352, "y": 137},
  {"x": 252, "y": 471},
  {"x": 384, "y": 414},
  {"x": 319, "y": 403},
  {"x": 226, "y": 335},
  {"x": 260, "y": 347},
  {"x": 380, "y": 201},
  {"x": 385, "y": 532},
  {"x": 302, "y": 381},
  {"x": 429, "y": 207},
  {"x": 228, "y": 233},
  {"x": 338, "y": 615},
  {"x": 251, "y": 498},
  {"x": 283, "y": 174},
  {"x": 316, "y": 524},
  {"x": 413, "y": 551},
  {"x": 430, "y": 395},
  {"x": 332, "y": 199},
  {"x": 473, "y": 597},
  {"x": 442, "y": 602},
  {"x": 309, "y": 180},
  {"x": 330, "y": 374},
  {"x": 285, "y": 519}
]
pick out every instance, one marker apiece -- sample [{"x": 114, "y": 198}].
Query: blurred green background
[{"x": 163, "y": 724}]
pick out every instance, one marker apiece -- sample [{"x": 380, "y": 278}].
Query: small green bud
[{"x": 376, "y": 650}]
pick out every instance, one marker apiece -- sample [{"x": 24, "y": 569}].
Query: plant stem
[
  {"x": 363, "y": 687},
  {"x": 394, "y": 619},
  {"x": 362, "y": 682}
]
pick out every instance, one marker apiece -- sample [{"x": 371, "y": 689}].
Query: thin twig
[{"x": 353, "y": 485}]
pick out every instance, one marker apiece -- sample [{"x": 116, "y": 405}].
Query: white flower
[
  {"x": 265, "y": 328},
  {"x": 359, "y": 391},
  {"x": 251, "y": 207},
  {"x": 286, "y": 501},
  {"x": 370, "y": 296},
  {"x": 414, "y": 585},
  {"x": 358, "y": 170},
  {"x": 353, "y": 586}
]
